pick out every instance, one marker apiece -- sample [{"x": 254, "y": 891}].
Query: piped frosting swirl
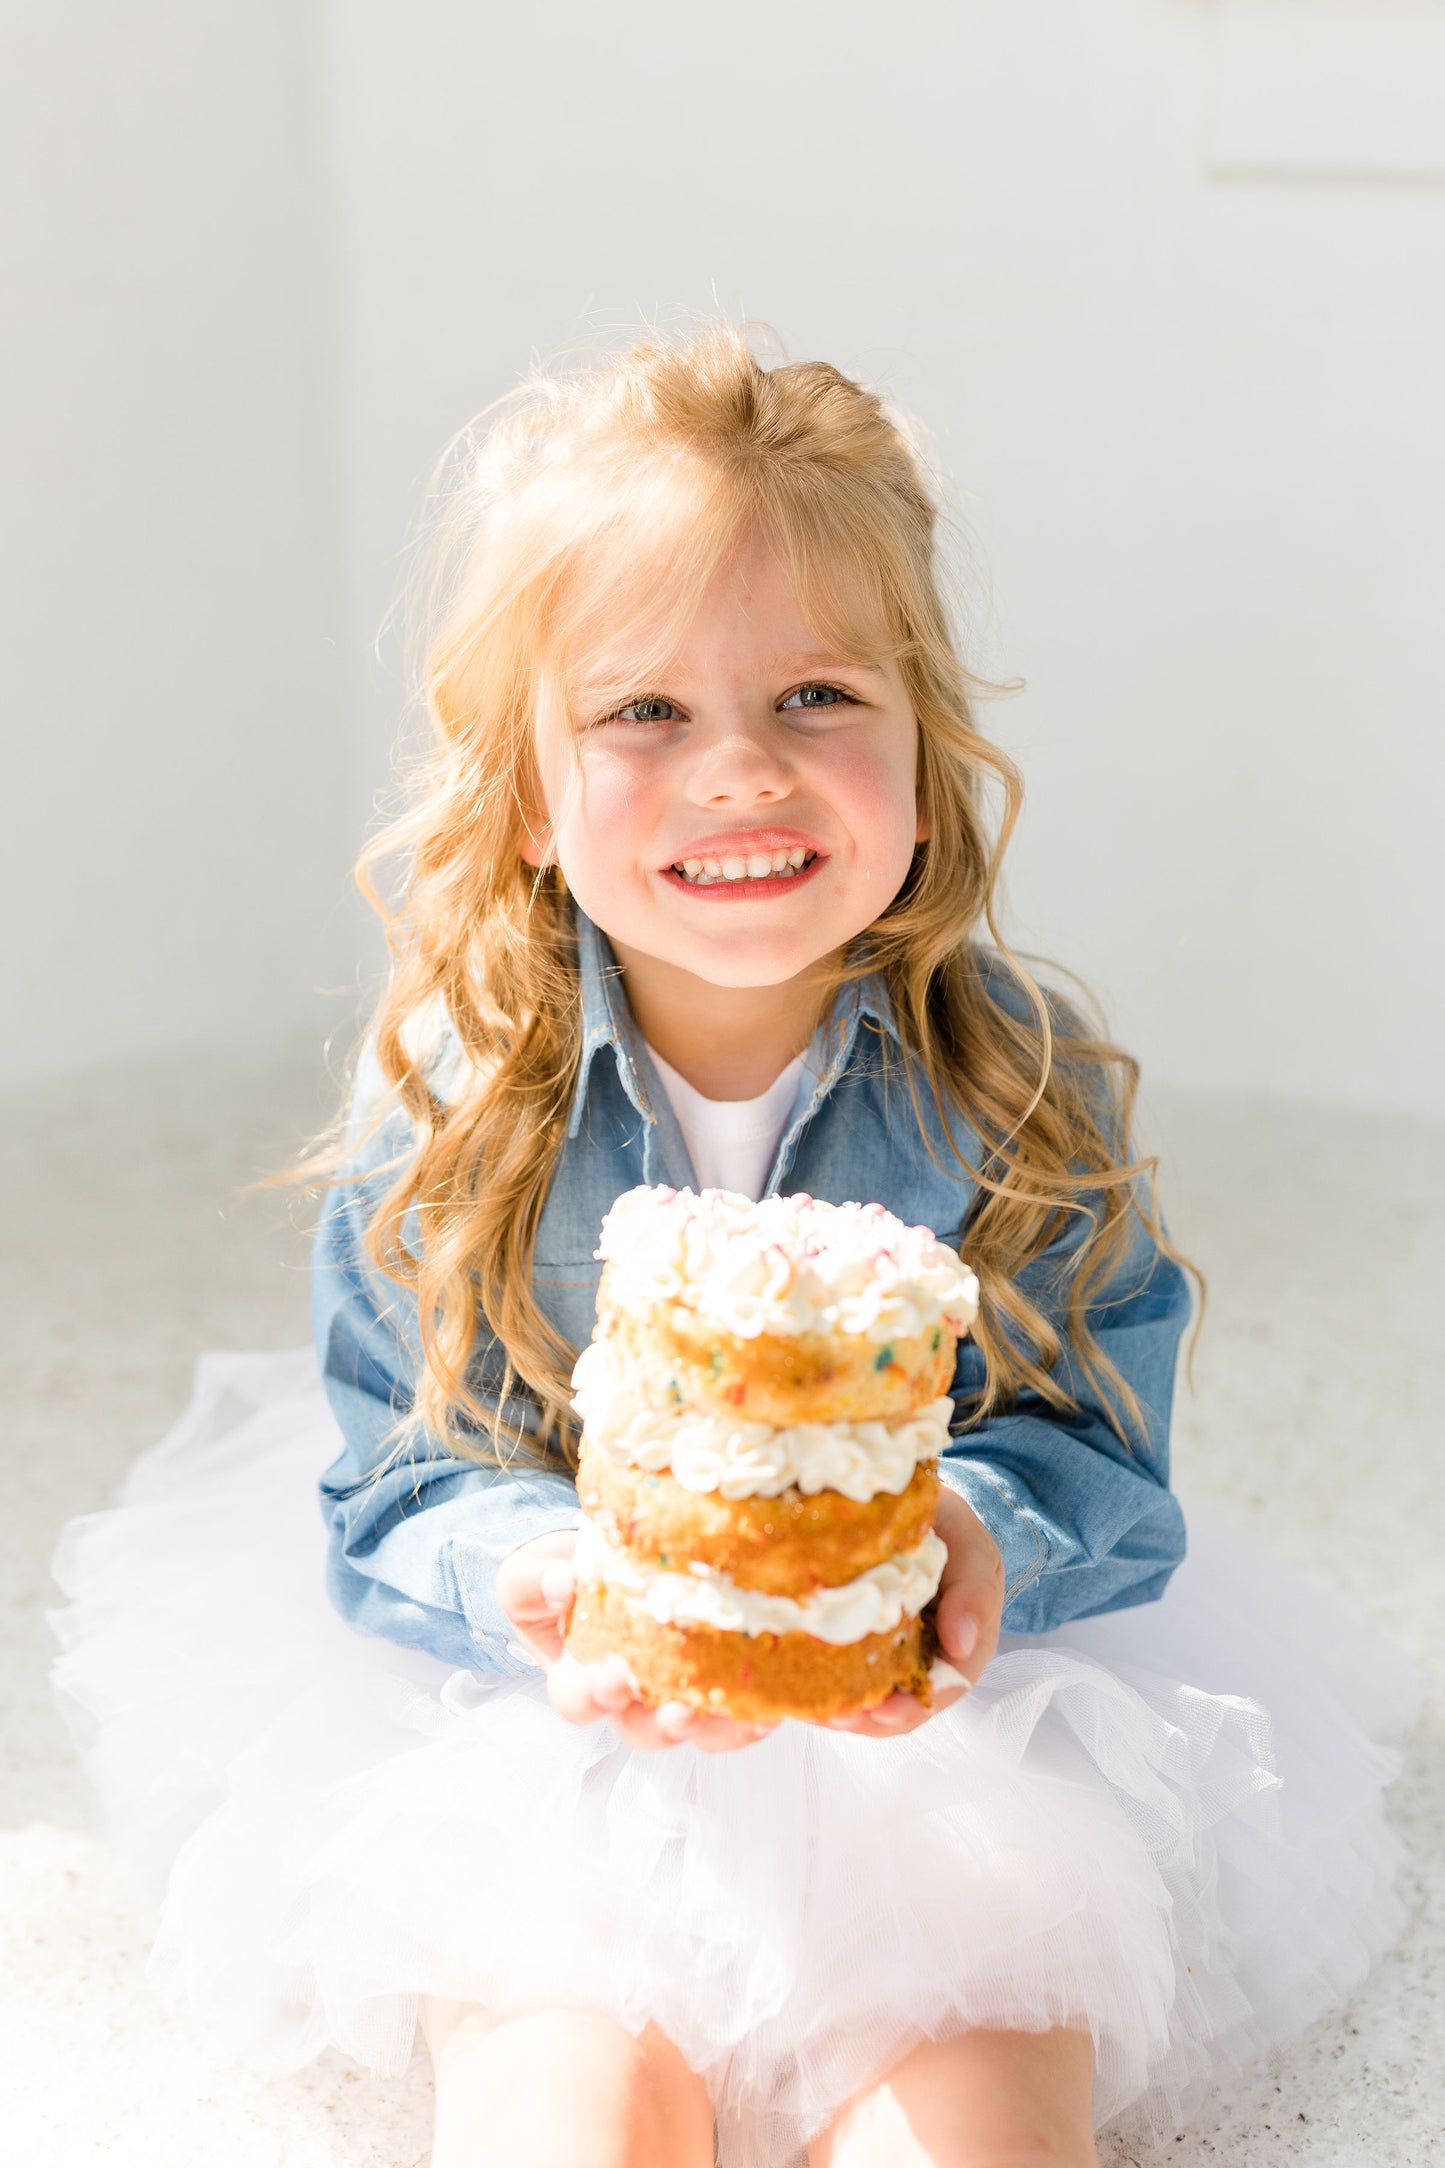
[{"x": 784, "y": 1265}]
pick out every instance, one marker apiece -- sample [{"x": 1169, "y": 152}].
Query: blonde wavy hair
[{"x": 581, "y": 521}]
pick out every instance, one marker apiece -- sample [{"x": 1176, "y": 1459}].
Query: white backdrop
[
  {"x": 178, "y": 780},
  {"x": 1171, "y": 309}
]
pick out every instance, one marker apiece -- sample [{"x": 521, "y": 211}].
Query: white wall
[
  {"x": 1174, "y": 316},
  {"x": 1190, "y": 399},
  {"x": 176, "y": 777}
]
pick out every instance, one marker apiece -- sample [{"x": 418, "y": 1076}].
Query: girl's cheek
[
  {"x": 876, "y": 782},
  {"x": 615, "y": 806},
  {"x": 877, "y": 801}
]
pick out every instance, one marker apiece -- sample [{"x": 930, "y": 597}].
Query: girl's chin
[
  {"x": 725, "y": 945},
  {"x": 740, "y": 963}
]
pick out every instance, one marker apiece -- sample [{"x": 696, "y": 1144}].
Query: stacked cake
[{"x": 763, "y": 1405}]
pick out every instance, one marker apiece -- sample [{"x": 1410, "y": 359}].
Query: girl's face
[{"x": 751, "y": 809}]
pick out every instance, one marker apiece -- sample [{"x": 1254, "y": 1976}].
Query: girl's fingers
[
  {"x": 568, "y": 1691},
  {"x": 724, "y": 1734},
  {"x": 899, "y": 1713},
  {"x": 677, "y": 1719},
  {"x": 969, "y": 1605},
  {"x": 639, "y": 1727},
  {"x": 583, "y": 1692},
  {"x": 676, "y": 1724},
  {"x": 534, "y": 1589},
  {"x": 886, "y": 1720},
  {"x": 963, "y": 1640},
  {"x": 543, "y": 1634},
  {"x": 555, "y": 1582}
]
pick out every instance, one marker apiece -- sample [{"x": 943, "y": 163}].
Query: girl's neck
[{"x": 729, "y": 1042}]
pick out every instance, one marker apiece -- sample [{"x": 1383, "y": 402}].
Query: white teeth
[{"x": 759, "y": 866}]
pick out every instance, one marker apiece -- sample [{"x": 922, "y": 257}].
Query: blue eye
[
  {"x": 649, "y": 711},
  {"x": 819, "y": 696}
]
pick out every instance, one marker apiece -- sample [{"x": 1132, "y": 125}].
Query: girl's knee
[
  {"x": 440, "y": 2017},
  {"x": 983, "y": 2099},
  {"x": 564, "y": 2086}
]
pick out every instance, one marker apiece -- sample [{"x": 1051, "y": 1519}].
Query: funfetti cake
[{"x": 763, "y": 1405}]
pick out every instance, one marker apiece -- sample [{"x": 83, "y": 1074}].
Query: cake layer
[
  {"x": 756, "y": 1678},
  {"x": 695, "y": 1595},
  {"x": 786, "y": 1545},
  {"x": 674, "y": 1358},
  {"x": 785, "y": 1266},
  {"x": 711, "y": 1450}
]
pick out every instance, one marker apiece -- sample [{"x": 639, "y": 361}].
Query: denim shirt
[{"x": 1084, "y": 1523}]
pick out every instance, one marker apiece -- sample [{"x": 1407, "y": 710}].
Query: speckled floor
[{"x": 1315, "y": 1429}]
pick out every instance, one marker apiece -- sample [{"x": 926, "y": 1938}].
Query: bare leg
[
  {"x": 561, "y": 2089},
  {"x": 984, "y": 2100}
]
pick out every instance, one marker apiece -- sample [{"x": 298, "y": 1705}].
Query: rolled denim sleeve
[
  {"x": 1084, "y": 1523},
  {"x": 413, "y": 1552}
]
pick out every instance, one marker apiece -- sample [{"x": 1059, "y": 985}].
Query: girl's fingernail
[{"x": 964, "y": 1636}]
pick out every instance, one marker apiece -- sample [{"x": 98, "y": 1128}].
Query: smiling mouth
[{"x": 756, "y": 866}]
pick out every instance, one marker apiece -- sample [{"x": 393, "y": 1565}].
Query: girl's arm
[
  {"x": 1083, "y": 1522},
  {"x": 414, "y": 1552}
]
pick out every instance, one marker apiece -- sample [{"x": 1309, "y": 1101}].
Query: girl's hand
[
  {"x": 534, "y": 1588},
  {"x": 969, "y": 1607}
]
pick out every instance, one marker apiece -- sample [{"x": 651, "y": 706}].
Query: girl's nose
[{"x": 738, "y": 766}]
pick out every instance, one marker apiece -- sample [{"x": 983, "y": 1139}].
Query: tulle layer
[{"x": 1165, "y": 1825}]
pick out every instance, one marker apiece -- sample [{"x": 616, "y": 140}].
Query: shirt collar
[
  {"x": 607, "y": 1021},
  {"x": 606, "y": 1018},
  {"x": 859, "y": 998}
]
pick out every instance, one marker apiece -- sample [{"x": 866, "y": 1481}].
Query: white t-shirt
[{"x": 732, "y": 1141}]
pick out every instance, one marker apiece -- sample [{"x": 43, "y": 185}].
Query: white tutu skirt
[{"x": 1165, "y": 1824}]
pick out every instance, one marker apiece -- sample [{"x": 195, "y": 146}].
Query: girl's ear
[{"x": 535, "y": 841}]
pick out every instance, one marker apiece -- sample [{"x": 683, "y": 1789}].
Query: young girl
[{"x": 698, "y": 889}]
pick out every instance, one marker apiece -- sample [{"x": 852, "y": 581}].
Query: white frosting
[
  {"x": 784, "y": 1265},
  {"x": 710, "y": 1450},
  {"x": 873, "y": 1603}
]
